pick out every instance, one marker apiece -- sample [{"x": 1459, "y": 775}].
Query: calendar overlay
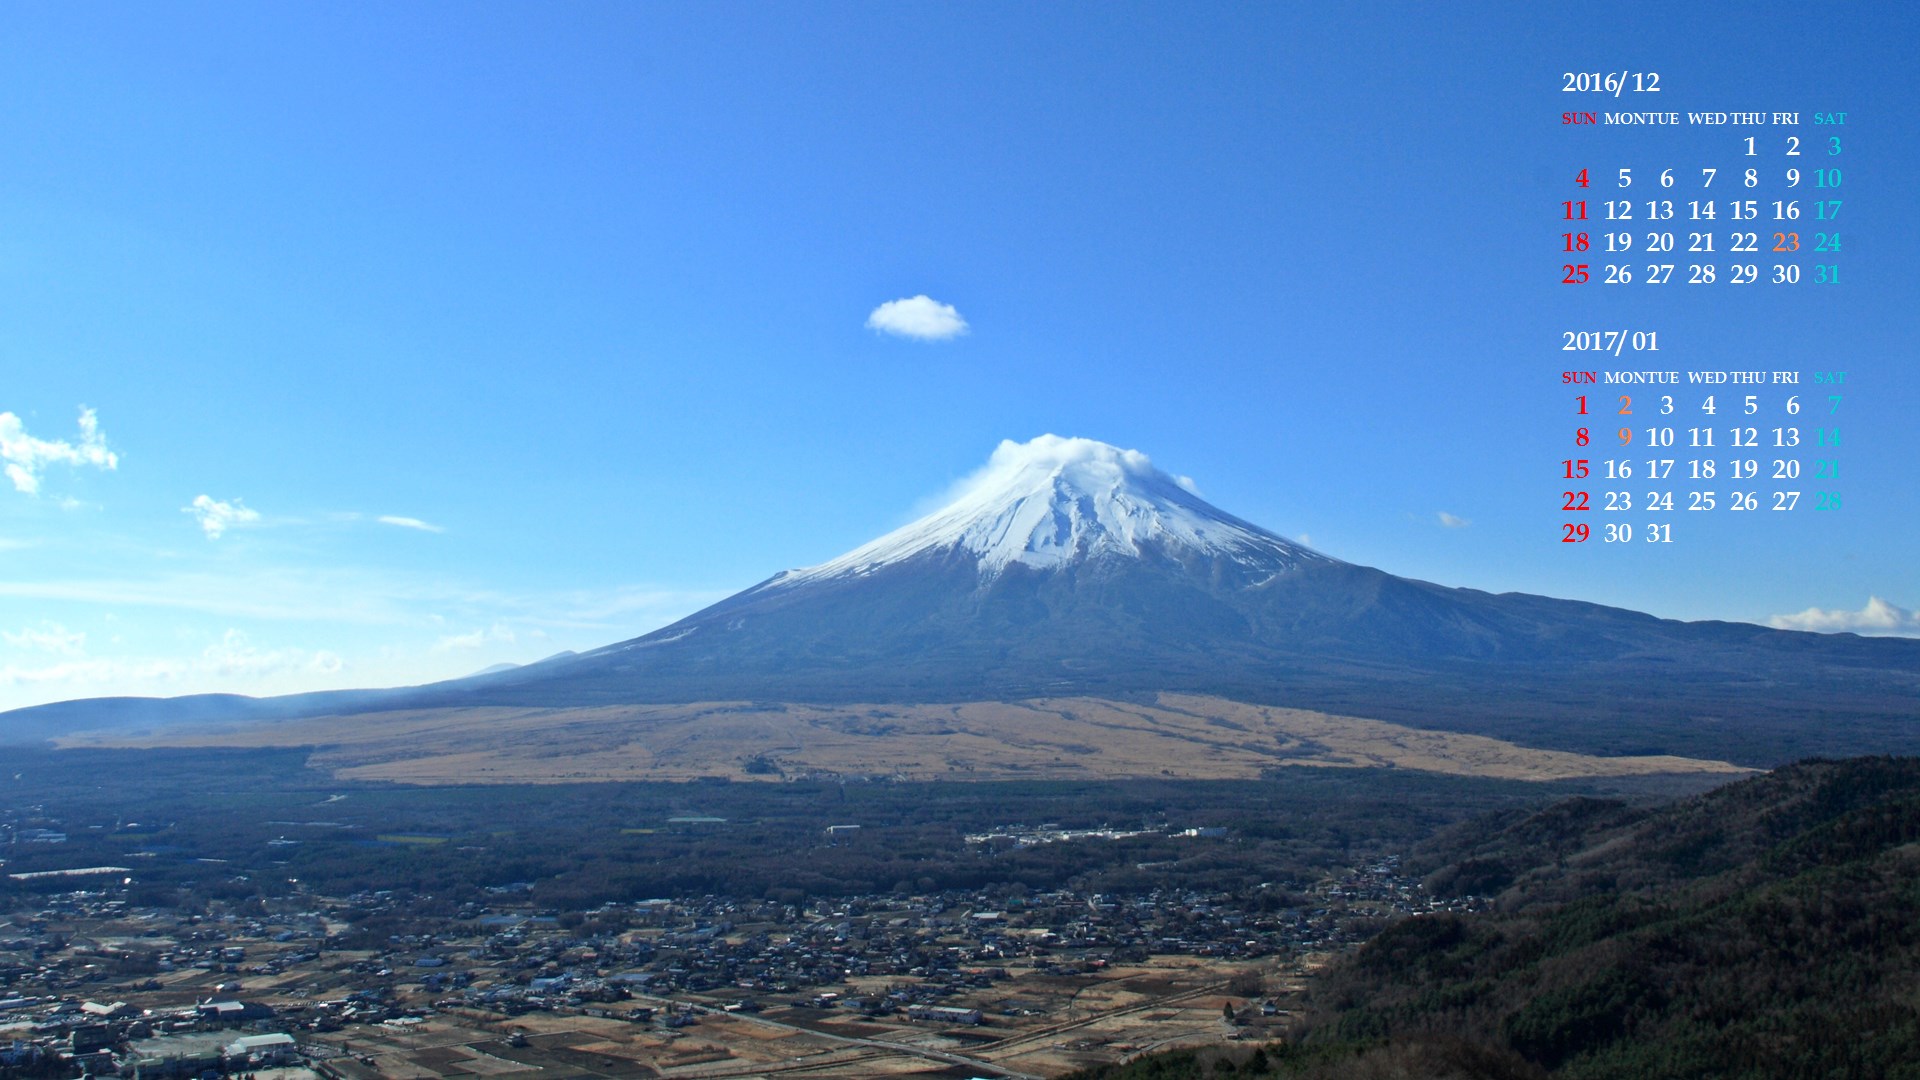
[{"x": 1756, "y": 202}]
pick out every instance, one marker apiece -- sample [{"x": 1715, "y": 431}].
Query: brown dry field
[
  {"x": 1074, "y": 1021},
  {"x": 1180, "y": 735}
]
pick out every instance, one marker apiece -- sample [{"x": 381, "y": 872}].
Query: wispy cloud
[
  {"x": 231, "y": 658},
  {"x": 409, "y": 523},
  {"x": 919, "y": 317},
  {"x": 367, "y": 598},
  {"x": 497, "y": 634},
  {"x": 47, "y": 637},
  {"x": 241, "y": 594},
  {"x": 235, "y": 655},
  {"x": 27, "y": 457},
  {"x": 1452, "y": 521},
  {"x": 90, "y": 674},
  {"x": 350, "y": 627},
  {"x": 216, "y": 517},
  {"x": 1877, "y": 619}
]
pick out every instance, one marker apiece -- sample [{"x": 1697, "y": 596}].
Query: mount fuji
[
  {"x": 1053, "y": 503},
  {"x": 1072, "y": 567},
  {"x": 1068, "y": 568}
]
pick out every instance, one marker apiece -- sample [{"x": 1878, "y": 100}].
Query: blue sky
[{"x": 478, "y": 332}]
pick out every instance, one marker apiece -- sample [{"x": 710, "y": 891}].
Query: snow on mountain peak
[{"x": 1054, "y": 501}]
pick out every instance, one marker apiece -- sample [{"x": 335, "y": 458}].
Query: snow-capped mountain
[
  {"x": 1071, "y": 568},
  {"x": 1052, "y": 502}
]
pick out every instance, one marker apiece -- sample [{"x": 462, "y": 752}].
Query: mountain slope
[
  {"x": 1068, "y": 567},
  {"x": 1072, "y": 567}
]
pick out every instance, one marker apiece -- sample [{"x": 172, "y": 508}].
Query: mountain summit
[
  {"x": 1068, "y": 568},
  {"x": 1054, "y": 502},
  {"x": 1071, "y": 567}
]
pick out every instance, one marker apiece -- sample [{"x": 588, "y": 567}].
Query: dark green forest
[{"x": 1770, "y": 928}]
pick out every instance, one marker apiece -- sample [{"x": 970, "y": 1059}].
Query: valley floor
[{"x": 858, "y": 986}]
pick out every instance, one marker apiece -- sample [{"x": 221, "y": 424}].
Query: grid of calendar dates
[
  {"x": 1652, "y": 444},
  {"x": 1775, "y": 222},
  {"x": 1650, "y": 440}
]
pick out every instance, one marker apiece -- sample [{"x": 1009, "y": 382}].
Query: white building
[{"x": 261, "y": 1050}]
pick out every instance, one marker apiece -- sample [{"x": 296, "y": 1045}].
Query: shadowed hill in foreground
[{"x": 1767, "y": 928}]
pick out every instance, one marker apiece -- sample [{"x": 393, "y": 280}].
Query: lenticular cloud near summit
[{"x": 1057, "y": 501}]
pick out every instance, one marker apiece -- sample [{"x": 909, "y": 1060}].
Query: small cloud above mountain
[
  {"x": 216, "y": 517},
  {"x": 919, "y": 317},
  {"x": 409, "y": 523}
]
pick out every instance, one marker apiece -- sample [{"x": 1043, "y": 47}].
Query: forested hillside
[{"x": 1770, "y": 928}]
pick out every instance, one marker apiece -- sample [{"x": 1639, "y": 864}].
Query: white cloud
[
  {"x": 230, "y": 659},
  {"x": 234, "y": 655},
  {"x": 313, "y": 627},
  {"x": 1451, "y": 521},
  {"x": 216, "y": 517},
  {"x": 28, "y": 457},
  {"x": 1105, "y": 463},
  {"x": 409, "y": 523},
  {"x": 49, "y": 637},
  {"x": 498, "y": 633},
  {"x": 93, "y": 673},
  {"x": 344, "y": 598},
  {"x": 365, "y": 630},
  {"x": 1877, "y": 619},
  {"x": 1102, "y": 463},
  {"x": 919, "y": 317},
  {"x": 369, "y": 599}
]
